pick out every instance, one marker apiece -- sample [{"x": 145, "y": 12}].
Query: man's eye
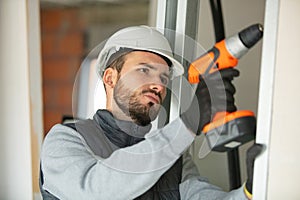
[
  {"x": 144, "y": 70},
  {"x": 164, "y": 80}
]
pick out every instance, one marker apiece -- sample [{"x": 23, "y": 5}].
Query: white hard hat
[{"x": 138, "y": 38}]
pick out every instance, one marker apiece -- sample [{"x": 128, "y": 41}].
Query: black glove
[
  {"x": 252, "y": 153},
  {"x": 213, "y": 94},
  {"x": 216, "y": 94}
]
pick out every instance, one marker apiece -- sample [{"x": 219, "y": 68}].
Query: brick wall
[
  {"x": 68, "y": 34},
  {"x": 62, "y": 51}
]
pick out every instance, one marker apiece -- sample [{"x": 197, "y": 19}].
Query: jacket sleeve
[
  {"x": 72, "y": 171},
  {"x": 195, "y": 187}
]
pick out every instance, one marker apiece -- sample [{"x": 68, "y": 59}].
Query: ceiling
[{"x": 79, "y": 3}]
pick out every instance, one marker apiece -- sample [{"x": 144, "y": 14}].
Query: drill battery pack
[{"x": 230, "y": 130}]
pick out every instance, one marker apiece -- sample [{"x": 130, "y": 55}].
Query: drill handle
[
  {"x": 215, "y": 59},
  {"x": 220, "y": 94}
]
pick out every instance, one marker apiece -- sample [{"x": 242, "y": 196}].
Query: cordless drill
[{"x": 227, "y": 130}]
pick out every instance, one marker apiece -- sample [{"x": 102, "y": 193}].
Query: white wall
[
  {"x": 284, "y": 163},
  {"x": 20, "y": 101},
  {"x": 277, "y": 170}
]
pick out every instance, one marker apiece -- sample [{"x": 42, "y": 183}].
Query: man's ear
[{"x": 110, "y": 77}]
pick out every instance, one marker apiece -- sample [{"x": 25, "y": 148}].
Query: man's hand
[
  {"x": 252, "y": 153},
  {"x": 213, "y": 94}
]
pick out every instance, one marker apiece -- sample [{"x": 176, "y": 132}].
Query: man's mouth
[{"x": 153, "y": 97}]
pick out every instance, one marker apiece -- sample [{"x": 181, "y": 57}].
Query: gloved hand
[
  {"x": 213, "y": 94},
  {"x": 252, "y": 153}
]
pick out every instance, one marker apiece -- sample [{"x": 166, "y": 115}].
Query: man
[{"x": 115, "y": 155}]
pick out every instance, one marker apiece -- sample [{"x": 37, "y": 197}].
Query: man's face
[{"x": 141, "y": 86}]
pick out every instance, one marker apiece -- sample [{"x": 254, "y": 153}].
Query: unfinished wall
[
  {"x": 62, "y": 50},
  {"x": 68, "y": 35}
]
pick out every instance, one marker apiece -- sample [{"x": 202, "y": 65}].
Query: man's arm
[
  {"x": 195, "y": 187},
  {"x": 72, "y": 171}
]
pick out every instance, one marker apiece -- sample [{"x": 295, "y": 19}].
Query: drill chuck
[
  {"x": 239, "y": 44},
  {"x": 251, "y": 35}
]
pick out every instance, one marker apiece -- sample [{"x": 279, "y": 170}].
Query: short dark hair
[
  {"x": 117, "y": 64},
  {"x": 114, "y": 59}
]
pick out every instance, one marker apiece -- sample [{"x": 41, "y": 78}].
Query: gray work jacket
[{"x": 90, "y": 166}]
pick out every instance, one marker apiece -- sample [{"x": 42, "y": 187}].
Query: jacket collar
[{"x": 121, "y": 133}]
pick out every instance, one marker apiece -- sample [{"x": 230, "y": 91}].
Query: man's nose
[{"x": 157, "y": 87}]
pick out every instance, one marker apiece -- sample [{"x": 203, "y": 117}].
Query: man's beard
[{"x": 130, "y": 104}]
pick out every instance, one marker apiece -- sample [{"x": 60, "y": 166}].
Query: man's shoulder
[
  {"x": 71, "y": 132},
  {"x": 62, "y": 132},
  {"x": 68, "y": 127},
  {"x": 60, "y": 138}
]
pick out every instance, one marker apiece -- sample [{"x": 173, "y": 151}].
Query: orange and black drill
[{"x": 227, "y": 130}]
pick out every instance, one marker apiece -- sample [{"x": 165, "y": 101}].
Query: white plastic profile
[{"x": 265, "y": 102}]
